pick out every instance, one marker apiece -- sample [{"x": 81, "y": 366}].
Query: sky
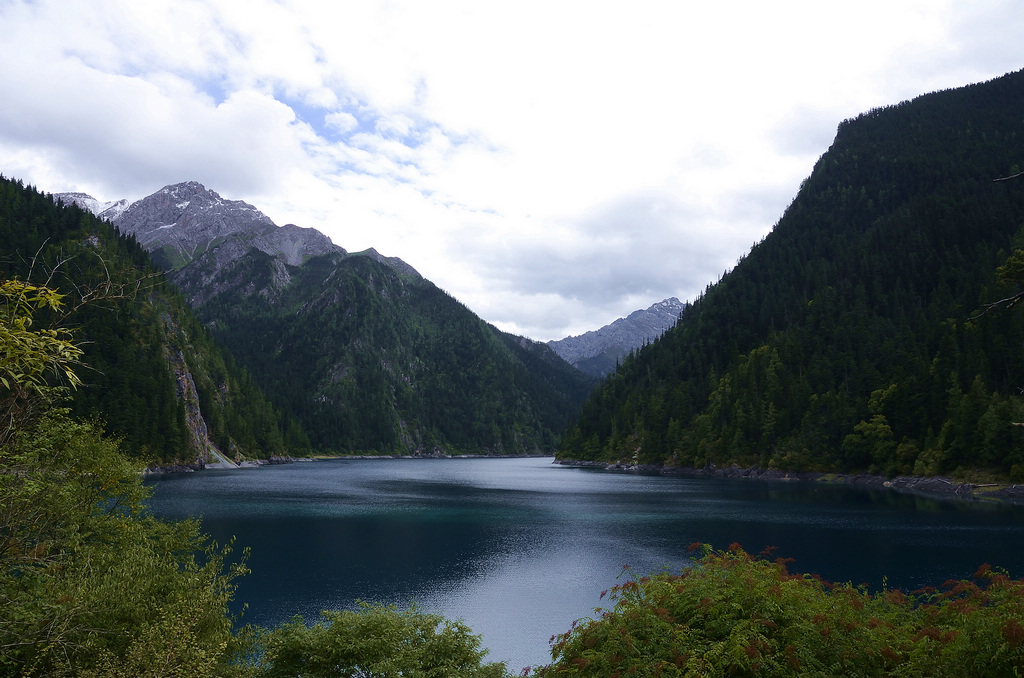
[{"x": 554, "y": 165}]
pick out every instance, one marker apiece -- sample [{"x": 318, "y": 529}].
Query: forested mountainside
[
  {"x": 371, "y": 360},
  {"x": 363, "y": 352},
  {"x": 153, "y": 374},
  {"x": 853, "y": 336}
]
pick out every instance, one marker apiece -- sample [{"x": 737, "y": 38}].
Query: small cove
[{"x": 519, "y": 548}]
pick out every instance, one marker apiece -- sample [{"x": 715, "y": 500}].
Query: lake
[{"x": 520, "y": 548}]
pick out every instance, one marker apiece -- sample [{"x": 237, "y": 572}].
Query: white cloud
[{"x": 554, "y": 165}]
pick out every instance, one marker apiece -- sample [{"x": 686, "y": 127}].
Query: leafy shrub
[
  {"x": 737, "y": 615},
  {"x": 376, "y": 640}
]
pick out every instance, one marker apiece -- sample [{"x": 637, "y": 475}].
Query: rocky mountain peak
[
  {"x": 597, "y": 352},
  {"x": 186, "y": 222},
  {"x": 186, "y": 218},
  {"x": 104, "y": 210}
]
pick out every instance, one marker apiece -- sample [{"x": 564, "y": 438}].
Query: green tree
[
  {"x": 89, "y": 583},
  {"x": 375, "y": 642},
  {"x": 27, "y": 354}
]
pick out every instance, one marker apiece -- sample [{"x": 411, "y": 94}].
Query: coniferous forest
[
  {"x": 369, "y": 360},
  {"x": 150, "y": 370},
  {"x": 857, "y": 335}
]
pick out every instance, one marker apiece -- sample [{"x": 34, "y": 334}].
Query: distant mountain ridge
[
  {"x": 359, "y": 349},
  {"x": 181, "y": 222},
  {"x": 598, "y": 351},
  {"x": 185, "y": 223}
]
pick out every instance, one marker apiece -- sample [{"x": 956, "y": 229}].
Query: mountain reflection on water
[{"x": 520, "y": 548}]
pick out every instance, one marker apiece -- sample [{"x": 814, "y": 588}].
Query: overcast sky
[{"x": 553, "y": 165}]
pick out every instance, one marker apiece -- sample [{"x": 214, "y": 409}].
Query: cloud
[{"x": 552, "y": 165}]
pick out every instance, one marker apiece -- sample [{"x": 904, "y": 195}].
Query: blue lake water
[{"x": 520, "y": 548}]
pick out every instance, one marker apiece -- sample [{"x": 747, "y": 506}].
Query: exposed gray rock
[
  {"x": 294, "y": 244},
  {"x": 597, "y": 352},
  {"x": 182, "y": 221},
  {"x": 188, "y": 225}
]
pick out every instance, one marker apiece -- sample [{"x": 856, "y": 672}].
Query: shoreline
[
  {"x": 158, "y": 470},
  {"x": 938, "y": 486}
]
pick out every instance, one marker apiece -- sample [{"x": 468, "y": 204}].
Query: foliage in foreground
[
  {"x": 736, "y": 615},
  {"x": 89, "y": 585},
  {"x": 376, "y": 640}
]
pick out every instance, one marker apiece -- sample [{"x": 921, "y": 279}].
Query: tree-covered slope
[
  {"x": 153, "y": 374},
  {"x": 850, "y": 337},
  {"x": 371, "y": 360}
]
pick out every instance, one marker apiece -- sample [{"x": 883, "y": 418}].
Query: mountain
[
  {"x": 598, "y": 352},
  {"x": 359, "y": 349},
  {"x": 152, "y": 373},
  {"x": 181, "y": 222},
  {"x": 855, "y": 336},
  {"x": 104, "y": 210}
]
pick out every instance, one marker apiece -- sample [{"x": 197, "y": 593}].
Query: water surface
[{"x": 520, "y": 548}]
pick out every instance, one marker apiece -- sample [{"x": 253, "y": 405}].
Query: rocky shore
[
  {"x": 935, "y": 486},
  {"x": 156, "y": 470}
]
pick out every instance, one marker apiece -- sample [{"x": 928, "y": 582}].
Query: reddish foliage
[
  {"x": 928, "y": 632},
  {"x": 895, "y": 597},
  {"x": 791, "y": 657},
  {"x": 949, "y": 637},
  {"x": 1013, "y": 632}
]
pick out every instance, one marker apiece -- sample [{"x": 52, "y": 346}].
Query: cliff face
[{"x": 598, "y": 351}]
